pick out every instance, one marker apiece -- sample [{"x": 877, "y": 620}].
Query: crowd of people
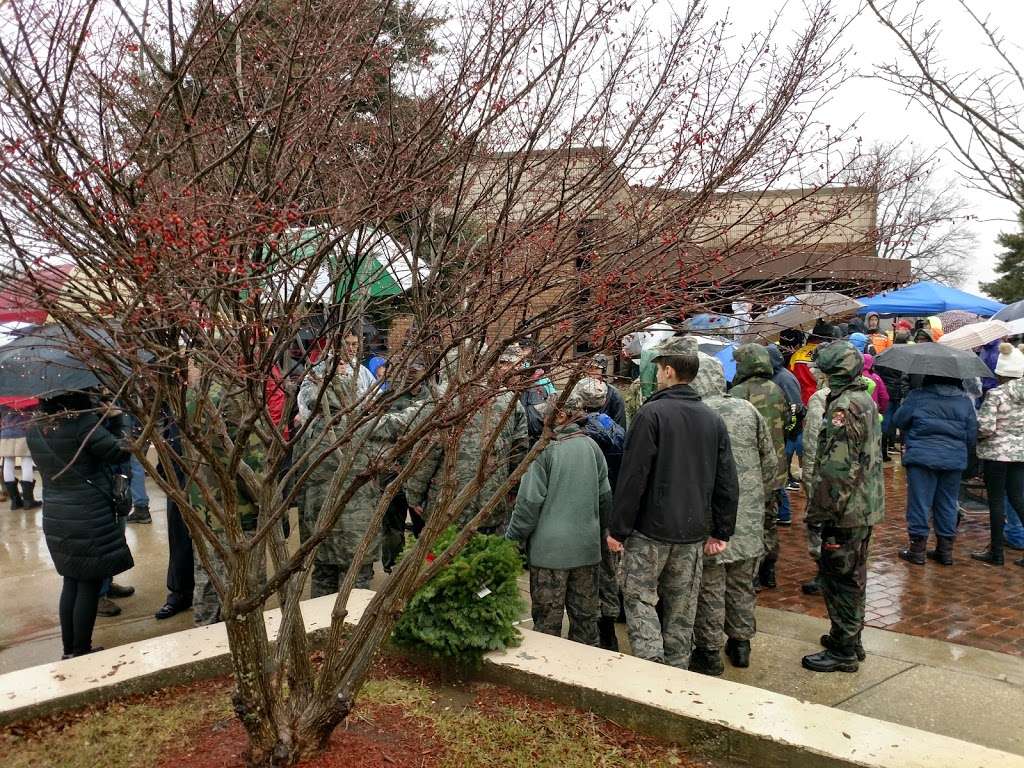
[{"x": 658, "y": 507}]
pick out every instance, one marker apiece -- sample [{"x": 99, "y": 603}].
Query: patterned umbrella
[
  {"x": 976, "y": 334},
  {"x": 957, "y": 318}
]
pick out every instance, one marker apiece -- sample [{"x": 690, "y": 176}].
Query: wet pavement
[{"x": 967, "y": 603}]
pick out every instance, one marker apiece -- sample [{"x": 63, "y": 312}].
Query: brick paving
[{"x": 968, "y": 603}]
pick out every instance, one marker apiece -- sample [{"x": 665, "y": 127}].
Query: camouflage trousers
[
  {"x": 814, "y": 541},
  {"x": 205, "y": 600},
  {"x": 573, "y": 591},
  {"x": 656, "y": 571},
  {"x": 844, "y": 568},
  {"x": 327, "y": 577},
  {"x": 609, "y": 584},
  {"x": 771, "y": 527},
  {"x": 727, "y": 599}
]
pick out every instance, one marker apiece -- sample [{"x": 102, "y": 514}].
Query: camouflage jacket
[
  {"x": 754, "y": 384},
  {"x": 753, "y": 452},
  {"x": 1001, "y": 423},
  {"x": 231, "y": 406},
  {"x": 424, "y": 486},
  {"x": 812, "y": 427},
  {"x": 847, "y": 483}
]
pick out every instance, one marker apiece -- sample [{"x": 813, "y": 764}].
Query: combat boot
[
  {"x": 915, "y": 553},
  {"x": 140, "y": 515},
  {"x": 813, "y": 587},
  {"x": 606, "y": 629},
  {"x": 988, "y": 556},
  {"x": 766, "y": 575},
  {"x": 738, "y": 652},
  {"x": 707, "y": 661},
  {"x": 28, "y": 495},
  {"x": 15, "y": 494},
  {"x": 831, "y": 661},
  {"x": 943, "y": 552},
  {"x": 858, "y": 648}
]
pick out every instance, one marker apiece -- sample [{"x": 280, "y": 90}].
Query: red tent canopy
[{"x": 17, "y": 298}]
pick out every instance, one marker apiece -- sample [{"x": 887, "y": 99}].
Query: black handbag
[{"x": 121, "y": 493}]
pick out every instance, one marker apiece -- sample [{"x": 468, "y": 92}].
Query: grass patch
[{"x": 127, "y": 734}]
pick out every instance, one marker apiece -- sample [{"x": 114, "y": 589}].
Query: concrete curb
[{"x": 714, "y": 717}]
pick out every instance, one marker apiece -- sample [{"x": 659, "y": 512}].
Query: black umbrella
[
  {"x": 1013, "y": 311},
  {"x": 934, "y": 360},
  {"x": 42, "y": 362}
]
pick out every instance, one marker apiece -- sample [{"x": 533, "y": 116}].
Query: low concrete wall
[{"x": 709, "y": 715}]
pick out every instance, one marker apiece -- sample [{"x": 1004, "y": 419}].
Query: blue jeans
[
  {"x": 932, "y": 494},
  {"x": 139, "y": 496},
  {"x": 1013, "y": 531},
  {"x": 785, "y": 513}
]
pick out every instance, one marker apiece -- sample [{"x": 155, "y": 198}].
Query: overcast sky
[{"x": 883, "y": 116}]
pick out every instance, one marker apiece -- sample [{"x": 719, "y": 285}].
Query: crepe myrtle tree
[{"x": 224, "y": 178}]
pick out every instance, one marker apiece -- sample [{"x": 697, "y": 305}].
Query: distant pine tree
[{"x": 1009, "y": 286}]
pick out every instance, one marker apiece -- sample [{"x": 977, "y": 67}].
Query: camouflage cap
[
  {"x": 599, "y": 360},
  {"x": 513, "y": 353},
  {"x": 589, "y": 393},
  {"x": 677, "y": 345}
]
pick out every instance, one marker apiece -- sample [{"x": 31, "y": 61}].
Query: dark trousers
[
  {"x": 932, "y": 494},
  {"x": 180, "y": 564},
  {"x": 1002, "y": 479},
  {"x": 78, "y": 602},
  {"x": 844, "y": 572}
]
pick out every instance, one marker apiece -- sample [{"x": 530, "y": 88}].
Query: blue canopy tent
[{"x": 923, "y": 299}]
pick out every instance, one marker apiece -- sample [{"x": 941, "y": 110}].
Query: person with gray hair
[
  {"x": 563, "y": 499},
  {"x": 675, "y": 502}
]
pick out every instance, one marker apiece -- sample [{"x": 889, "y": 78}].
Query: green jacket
[
  {"x": 754, "y": 384},
  {"x": 563, "y": 504},
  {"x": 848, "y": 488}
]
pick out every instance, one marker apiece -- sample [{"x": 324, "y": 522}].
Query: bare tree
[
  {"x": 921, "y": 217},
  {"x": 227, "y": 178},
  {"x": 979, "y": 108}
]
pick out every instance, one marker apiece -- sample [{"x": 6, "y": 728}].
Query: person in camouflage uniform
[
  {"x": 206, "y": 608},
  {"x": 727, "y": 595},
  {"x": 847, "y": 500},
  {"x": 563, "y": 500},
  {"x": 753, "y": 383},
  {"x": 611, "y": 439},
  {"x": 423, "y": 488},
  {"x": 812, "y": 428}
]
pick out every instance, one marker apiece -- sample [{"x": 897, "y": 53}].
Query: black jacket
[
  {"x": 615, "y": 407},
  {"x": 678, "y": 481},
  {"x": 82, "y": 533}
]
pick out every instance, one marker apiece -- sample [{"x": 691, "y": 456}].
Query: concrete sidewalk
[{"x": 953, "y": 690}]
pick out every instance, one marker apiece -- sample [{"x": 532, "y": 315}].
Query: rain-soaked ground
[{"x": 968, "y": 603}]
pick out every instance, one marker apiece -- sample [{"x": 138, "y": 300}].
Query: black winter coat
[
  {"x": 82, "y": 532},
  {"x": 677, "y": 483}
]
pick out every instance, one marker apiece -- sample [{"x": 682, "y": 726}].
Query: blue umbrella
[
  {"x": 725, "y": 357},
  {"x": 923, "y": 299}
]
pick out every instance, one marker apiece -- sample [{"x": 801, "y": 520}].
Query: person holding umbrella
[{"x": 1001, "y": 447}]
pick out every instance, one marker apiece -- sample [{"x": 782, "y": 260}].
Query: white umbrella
[
  {"x": 1016, "y": 326},
  {"x": 976, "y": 334},
  {"x": 803, "y": 310}
]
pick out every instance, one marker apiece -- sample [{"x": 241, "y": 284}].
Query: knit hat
[
  {"x": 1011, "y": 362},
  {"x": 860, "y": 341}
]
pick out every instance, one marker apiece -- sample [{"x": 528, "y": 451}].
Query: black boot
[
  {"x": 766, "y": 575},
  {"x": 989, "y": 557},
  {"x": 858, "y": 648},
  {"x": 943, "y": 552},
  {"x": 15, "y": 494},
  {"x": 915, "y": 553},
  {"x": 28, "y": 495},
  {"x": 706, "y": 661},
  {"x": 813, "y": 587},
  {"x": 606, "y": 629},
  {"x": 831, "y": 661},
  {"x": 738, "y": 652},
  {"x": 140, "y": 514}
]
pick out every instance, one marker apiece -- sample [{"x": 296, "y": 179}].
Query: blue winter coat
[{"x": 939, "y": 426}]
